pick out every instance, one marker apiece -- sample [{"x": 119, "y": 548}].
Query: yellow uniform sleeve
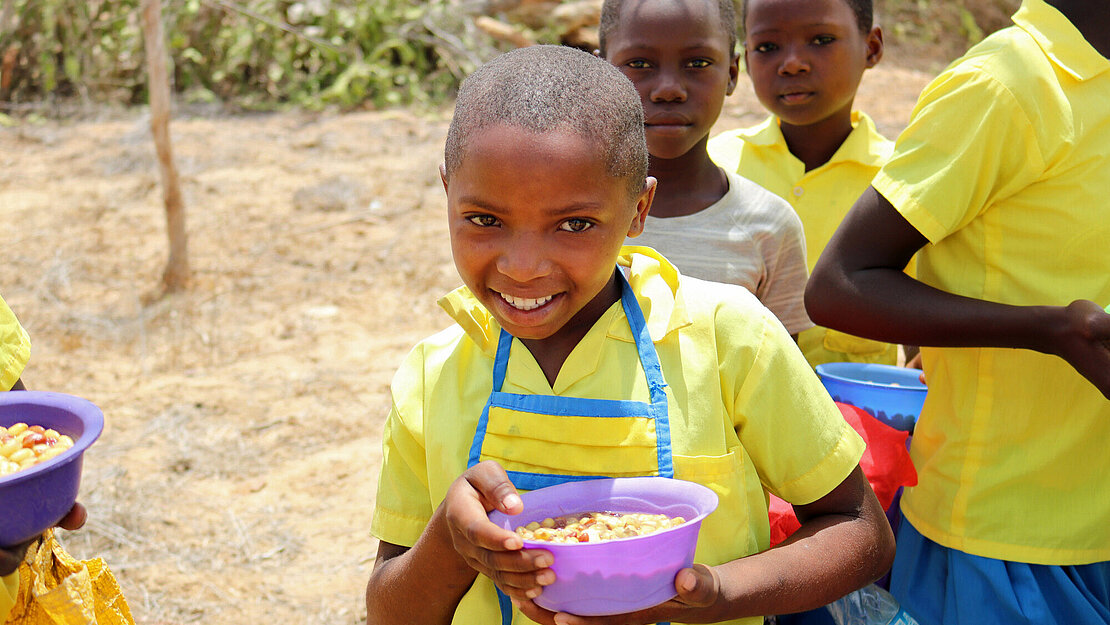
[
  {"x": 945, "y": 171},
  {"x": 403, "y": 504},
  {"x": 15, "y": 347},
  {"x": 9, "y": 588},
  {"x": 800, "y": 444}
]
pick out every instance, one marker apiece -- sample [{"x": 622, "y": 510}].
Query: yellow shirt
[
  {"x": 1004, "y": 168},
  {"x": 821, "y": 197},
  {"x": 15, "y": 347},
  {"x": 747, "y": 415},
  {"x": 9, "y": 588}
]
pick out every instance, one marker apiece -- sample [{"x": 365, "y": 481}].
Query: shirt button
[{"x": 798, "y": 191}]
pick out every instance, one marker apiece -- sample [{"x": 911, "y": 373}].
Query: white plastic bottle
[{"x": 869, "y": 605}]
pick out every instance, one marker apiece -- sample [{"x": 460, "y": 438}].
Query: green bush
[{"x": 250, "y": 53}]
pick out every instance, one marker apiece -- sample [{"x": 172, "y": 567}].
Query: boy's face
[
  {"x": 806, "y": 57},
  {"x": 536, "y": 224},
  {"x": 677, "y": 54}
]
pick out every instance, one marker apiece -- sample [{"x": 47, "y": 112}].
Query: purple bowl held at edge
[
  {"x": 616, "y": 576},
  {"x": 35, "y": 499}
]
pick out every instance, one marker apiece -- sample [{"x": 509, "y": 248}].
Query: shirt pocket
[
  {"x": 734, "y": 529},
  {"x": 571, "y": 445}
]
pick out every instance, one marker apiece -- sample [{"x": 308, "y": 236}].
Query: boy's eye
[
  {"x": 485, "y": 221},
  {"x": 638, "y": 64},
  {"x": 576, "y": 225},
  {"x": 765, "y": 47},
  {"x": 822, "y": 40},
  {"x": 700, "y": 63}
]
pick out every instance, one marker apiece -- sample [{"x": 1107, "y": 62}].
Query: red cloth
[{"x": 885, "y": 462}]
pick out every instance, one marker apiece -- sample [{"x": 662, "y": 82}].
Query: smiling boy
[
  {"x": 806, "y": 59},
  {"x": 572, "y": 358},
  {"x": 715, "y": 225}
]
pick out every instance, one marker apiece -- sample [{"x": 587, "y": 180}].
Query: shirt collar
[
  {"x": 864, "y": 144},
  {"x": 653, "y": 278},
  {"x": 1060, "y": 40}
]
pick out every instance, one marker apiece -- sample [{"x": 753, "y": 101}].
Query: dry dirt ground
[{"x": 235, "y": 480}]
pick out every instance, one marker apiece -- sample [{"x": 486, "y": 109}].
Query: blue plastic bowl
[
  {"x": 35, "y": 499},
  {"x": 893, "y": 395}
]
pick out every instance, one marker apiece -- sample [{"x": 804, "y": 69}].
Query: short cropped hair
[
  {"x": 553, "y": 88},
  {"x": 864, "y": 11},
  {"x": 611, "y": 13}
]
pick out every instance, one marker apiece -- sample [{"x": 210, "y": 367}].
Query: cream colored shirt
[{"x": 750, "y": 238}]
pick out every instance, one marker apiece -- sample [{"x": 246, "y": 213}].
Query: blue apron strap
[
  {"x": 653, "y": 371},
  {"x": 500, "y": 364}
]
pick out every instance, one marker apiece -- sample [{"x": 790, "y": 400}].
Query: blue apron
[{"x": 644, "y": 421}]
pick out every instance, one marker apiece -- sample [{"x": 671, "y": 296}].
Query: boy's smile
[
  {"x": 677, "y": 55},
  {"x": 536, "y": 224},
  {"x": 806, "y": 58}
]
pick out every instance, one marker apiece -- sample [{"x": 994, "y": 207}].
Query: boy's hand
[
  {"x": 492, "y": 551},
  {"x": 698, "y": 588},
  {"x": 1085, "y": 343},
  {"x": 10, "y": 557}
]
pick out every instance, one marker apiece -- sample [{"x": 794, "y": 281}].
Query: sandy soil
[{"x": 235, "y": 480}]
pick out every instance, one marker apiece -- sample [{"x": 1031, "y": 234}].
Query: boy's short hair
[
  {"x": 548, "y": 88},
  {"x": 611, "y": 13},
  {"x": 864, "y": 11}
]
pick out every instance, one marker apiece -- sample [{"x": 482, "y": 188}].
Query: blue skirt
[{"x": 941, "y": 586}]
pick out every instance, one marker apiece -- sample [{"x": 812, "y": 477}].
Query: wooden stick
[{"x": 176, "y": 274}]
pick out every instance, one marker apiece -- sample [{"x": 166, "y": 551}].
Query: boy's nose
[
  {"x": 523, "y": 260},
  {"x": 668, "y": 88},
  {"x": 793, "y": 63}
]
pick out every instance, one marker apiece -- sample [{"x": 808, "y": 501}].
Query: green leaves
[{"x": 257, "y": 54}]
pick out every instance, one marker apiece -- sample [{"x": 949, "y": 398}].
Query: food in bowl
[
  {"x": 593, "y": 527},
  {"x": 615, "y": 576},
  {"x": 23, "y": 446},
  {"x": 35, "y": 498}
]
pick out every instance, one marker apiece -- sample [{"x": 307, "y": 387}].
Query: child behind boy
[
  {"x": 1005, "y": 170},
  {"x": 545, "y": 173},
  {"x": 713, "y": 224},
  {"x": 806, "y": 59}
]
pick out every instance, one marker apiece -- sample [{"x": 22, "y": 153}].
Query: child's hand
[
  {"x": 1085, "y": 343},
  {"x": 10, "y": 557},
  {"x": 492, "y": 551},
  {"x": 698, "y": 588}
]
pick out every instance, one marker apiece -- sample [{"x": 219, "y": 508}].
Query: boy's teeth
[{"x": 525, "y": 303}]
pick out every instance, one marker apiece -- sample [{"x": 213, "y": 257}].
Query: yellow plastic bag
[{"x": 57, "y": 589}]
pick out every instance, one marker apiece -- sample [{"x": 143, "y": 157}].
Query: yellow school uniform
[
  {"x": 747, "y": 415},
  {"x": 15, "y": 350},
  {"x": 15, "y": 347},
  {"x": 821, "y": 197},
  {"x": 1004, "y": 168},
  {"x": 9, "y": 588}
]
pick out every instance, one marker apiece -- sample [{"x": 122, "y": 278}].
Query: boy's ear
[
  {"x": 874, "y": 46},
  {"x": 443, "y": 175},
  {"x": 643, "y": 205},
  {"x": 734, "y": 72}
]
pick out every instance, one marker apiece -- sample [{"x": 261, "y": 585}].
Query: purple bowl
[
  {"x": 616, "y": 576},
  {"x": 35, "y": 499}
]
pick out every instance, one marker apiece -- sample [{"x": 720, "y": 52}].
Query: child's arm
[
  {"x": 858, "y": 287},
  {"x": 426, "y": 582},
  {"x": 844, "y": 543}
]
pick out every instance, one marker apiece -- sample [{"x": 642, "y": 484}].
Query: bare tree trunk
[{"x": 176, "y": 274}]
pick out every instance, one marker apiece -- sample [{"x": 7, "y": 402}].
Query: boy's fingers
[
  {"x": 491, "y": 481},
  {"x": 75, "y": 518},
  {"x": 698, "y": 586}
]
